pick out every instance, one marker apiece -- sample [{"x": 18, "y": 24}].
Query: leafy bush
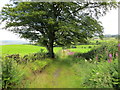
[
  {"x": 41, "y": 55},
  {"x": 16, "y": 57},
  {"x": 11, "y": 75},
  {"x": 102, "y": 52},
  {"x": 14, "y": 74},
  {"x": 104, "y": 75},
  {"x": 33, "y": 57}
]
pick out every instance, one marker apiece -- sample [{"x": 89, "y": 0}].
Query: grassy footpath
[
  {"x": 59, "y": 74},
  {"x": 66, "y": 74}
]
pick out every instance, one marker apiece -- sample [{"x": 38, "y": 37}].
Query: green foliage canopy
[{"x": 55, "y": 23}]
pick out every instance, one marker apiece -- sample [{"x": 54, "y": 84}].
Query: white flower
[
  {"x": 97, "y": 73},
  {"x": 85, "y": 60},
  {"x": 90, "y": 59}
]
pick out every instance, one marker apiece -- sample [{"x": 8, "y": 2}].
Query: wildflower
[
  {"x": 119, "y": 45},
  {"x": 116, "y": 54},
  {"x": 85, "y": 60},
  {"x": 109, "y": 60},
  {"x": 71, "y": 53},
  {"x": 90, "y": 59},
  {"x": 110, "y": 55}
]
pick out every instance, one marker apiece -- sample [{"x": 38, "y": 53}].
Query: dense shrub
[
  {"x": 41, "y": 55},
  {"x": 11, "y": 75},
  {"x": 14, "y": 74},
  {"x": 35, "y": 56},
  {"x": 101, "y": 53},
  {"x": 104, "y": 75},
  {"x": 16, "y": 57}
]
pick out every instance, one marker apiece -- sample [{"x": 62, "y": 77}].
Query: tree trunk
[
  {"x": 51, "y": 52},
  {"x": 50, "y": 49}
]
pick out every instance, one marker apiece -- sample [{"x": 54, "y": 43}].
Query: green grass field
[
  {"x": 28, "y": 49},
  {"x": 108, "y": 40},
  {"x": 82, "y": 48},
  {"x": 20, "y": 49}
]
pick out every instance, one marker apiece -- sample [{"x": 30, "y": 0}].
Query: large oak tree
[{"x": 55, "y": 23}]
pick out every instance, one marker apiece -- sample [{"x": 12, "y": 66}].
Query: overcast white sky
[{"x": 109, "y": 22}]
